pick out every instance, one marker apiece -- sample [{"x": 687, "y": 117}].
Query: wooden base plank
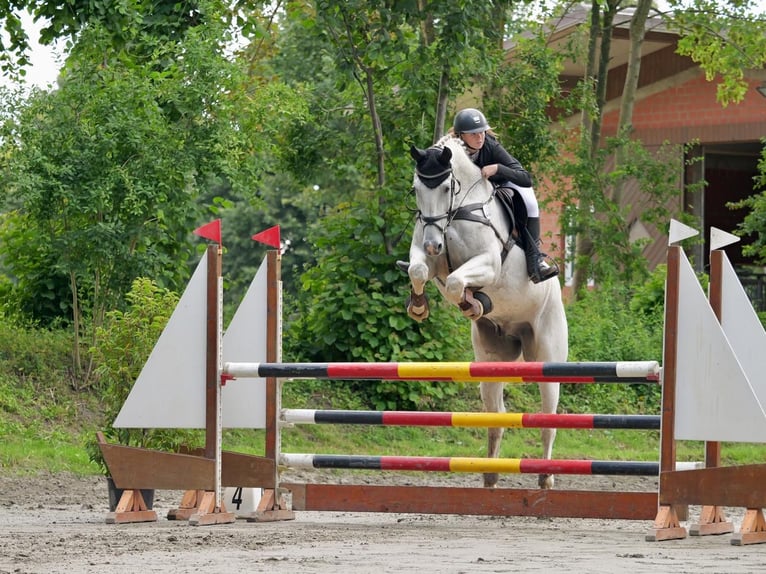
[
  {"x": 208, "y": 513},
  {"x": 132, "y": 467},
  {"x": 188, "y": 507},
  {"x": 753, "y": 530},
  {"x": 712, "y": 522},
  {"x": 738, "y": 486},
  {"x": 474, "y": 501},
  {"x": 666, "y": 525},
  {"x": 271, "y": 508},
  {"x": 131, "y": 508}
]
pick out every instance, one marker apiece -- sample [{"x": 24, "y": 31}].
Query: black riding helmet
[{"x": 470, "y": 121}]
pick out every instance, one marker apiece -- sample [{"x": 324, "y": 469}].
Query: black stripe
[
  {"x": 349, "y": 417},
  {"x": 294, "y": 370},
  {"x": 346, "y": 461},
  {"x": 575, "y": 369},
  {"x": 625, "y": 468},
  {"x": 635, "y": 422}
]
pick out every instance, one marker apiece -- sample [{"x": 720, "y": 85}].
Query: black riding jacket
[{"x": 508, "y": 167}]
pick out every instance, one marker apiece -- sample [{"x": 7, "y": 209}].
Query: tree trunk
[
  {"x": 76, "y": 325},
  {"x": 441, "y": 105},
  {"x": 625, "y": 124},
  {"x": 601, "y": 27}
]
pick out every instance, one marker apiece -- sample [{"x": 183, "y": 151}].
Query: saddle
[{"x": 513, "y": 205}]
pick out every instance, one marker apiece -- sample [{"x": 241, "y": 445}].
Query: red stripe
[
  {"x": 539, "y": 420},
  {"x": 417, "y": 419},
  {"x": 501, "y": 369},
  {"x": 414, "y": 463},
  {"x": 364, "y": 370},
  {"x": 555, "y": 466}
]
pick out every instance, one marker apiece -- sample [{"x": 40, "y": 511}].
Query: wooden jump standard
[{"x": 196, "y": 473}]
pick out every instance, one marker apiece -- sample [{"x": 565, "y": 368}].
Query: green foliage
[
  {"x": 354, "y": 311},
  {"x": 754, "y": 222},
  {"x": 725, "y": 38},
  {"x": 40, "y": 413},
  {"x": 34, "y": 355},
  {"x": 583, "y": 178},
  {"x": 124, "y": 344},
  {"x": 612, "y": 323},
  {"x": 104, "y": 177}
]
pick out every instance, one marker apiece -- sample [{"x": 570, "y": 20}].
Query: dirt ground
[{"x": 55, "y": 524}]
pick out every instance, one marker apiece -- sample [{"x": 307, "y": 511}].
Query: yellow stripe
[
  {"x": 499, "y": 420},
  {"x": 457, "y": 371},
  {"x": 454, "y": 371},
  {"x": 510, "y": 465}
]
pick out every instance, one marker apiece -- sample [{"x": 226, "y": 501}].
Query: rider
[{"x": 501, "y": 168}]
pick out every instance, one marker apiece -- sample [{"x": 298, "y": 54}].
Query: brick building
[{"x": 676, "y": 104}]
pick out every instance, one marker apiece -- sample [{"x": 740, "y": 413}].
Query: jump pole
[{"x": 439, "y": 500}]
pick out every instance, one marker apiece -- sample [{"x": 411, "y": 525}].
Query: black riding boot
[{"x": 539, "y": 266}]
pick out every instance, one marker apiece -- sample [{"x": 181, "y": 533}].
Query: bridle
[{"x": 460, "y": 212}]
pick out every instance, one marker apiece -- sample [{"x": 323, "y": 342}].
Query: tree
[
  {"x": 105, "y": 173},
  {"x": 66, "y": 18},
  {"x": 724, "y": 42}
]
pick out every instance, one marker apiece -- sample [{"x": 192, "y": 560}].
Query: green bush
[
  {"x": 125, "y": 342},
  {"x": 35, "y": 354},
  {"x": 615, "y": 323}
]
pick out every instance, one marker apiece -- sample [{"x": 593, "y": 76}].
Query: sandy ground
[{"x": 55, "y": 524}]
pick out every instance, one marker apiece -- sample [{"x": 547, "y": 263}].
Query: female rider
[{"x": 501, "y": 168}]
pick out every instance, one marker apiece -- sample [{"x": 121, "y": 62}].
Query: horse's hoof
[
  {"x": 419, "y": 317},
  {"x": 490, "y": 479},
  {"x": 417, "y": 307},
  {"x": 471, "y": 307},
  {"x": 545, "y": 481}
]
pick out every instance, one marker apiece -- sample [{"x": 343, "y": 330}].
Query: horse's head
[
  {"x": 445, "y": 179},
  {"x": 434, "y": 192}
]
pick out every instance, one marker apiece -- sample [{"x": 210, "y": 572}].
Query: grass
[{"x": 46, "y": 420}]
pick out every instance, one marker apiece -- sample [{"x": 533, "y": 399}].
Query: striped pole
[
  {"x": 467, "y": 464},
  {"x": 507, "y": 372},
  {"x": 456, "y": 419}
]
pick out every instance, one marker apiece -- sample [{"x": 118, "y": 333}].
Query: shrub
[{"x": 124, "y": 344}]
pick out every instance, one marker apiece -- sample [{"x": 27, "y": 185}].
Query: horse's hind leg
[
  {"x": 490, "y": 345},
  {"x": 549, "y": 393},
  {"x": 492, "y": 398}
]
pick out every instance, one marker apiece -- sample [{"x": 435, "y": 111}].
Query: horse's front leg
[
  {"x": 420, "y": 273},
  {"x": 478, "y": 271}
]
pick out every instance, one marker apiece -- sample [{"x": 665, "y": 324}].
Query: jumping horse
[{"x": 464, "y": 241}]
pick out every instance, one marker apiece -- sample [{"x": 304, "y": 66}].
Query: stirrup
[{"x": 545, "y": 269}]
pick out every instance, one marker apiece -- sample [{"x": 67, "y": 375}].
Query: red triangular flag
[
  {"x": 211, "y": 231},
  {"x": 269, "y": 237}
]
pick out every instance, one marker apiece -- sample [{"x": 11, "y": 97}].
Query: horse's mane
[{"x": 460, "y": 158}]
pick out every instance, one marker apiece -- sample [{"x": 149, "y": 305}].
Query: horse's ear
[
  {"x": 445, "y": 156},
  {"x": 417, "y": 154}
]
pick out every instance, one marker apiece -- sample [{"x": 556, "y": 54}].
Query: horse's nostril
[{"x": 432, "y": 247}]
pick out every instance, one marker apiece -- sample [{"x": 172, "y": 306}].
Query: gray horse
[{"x": 464, "y": 241}]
